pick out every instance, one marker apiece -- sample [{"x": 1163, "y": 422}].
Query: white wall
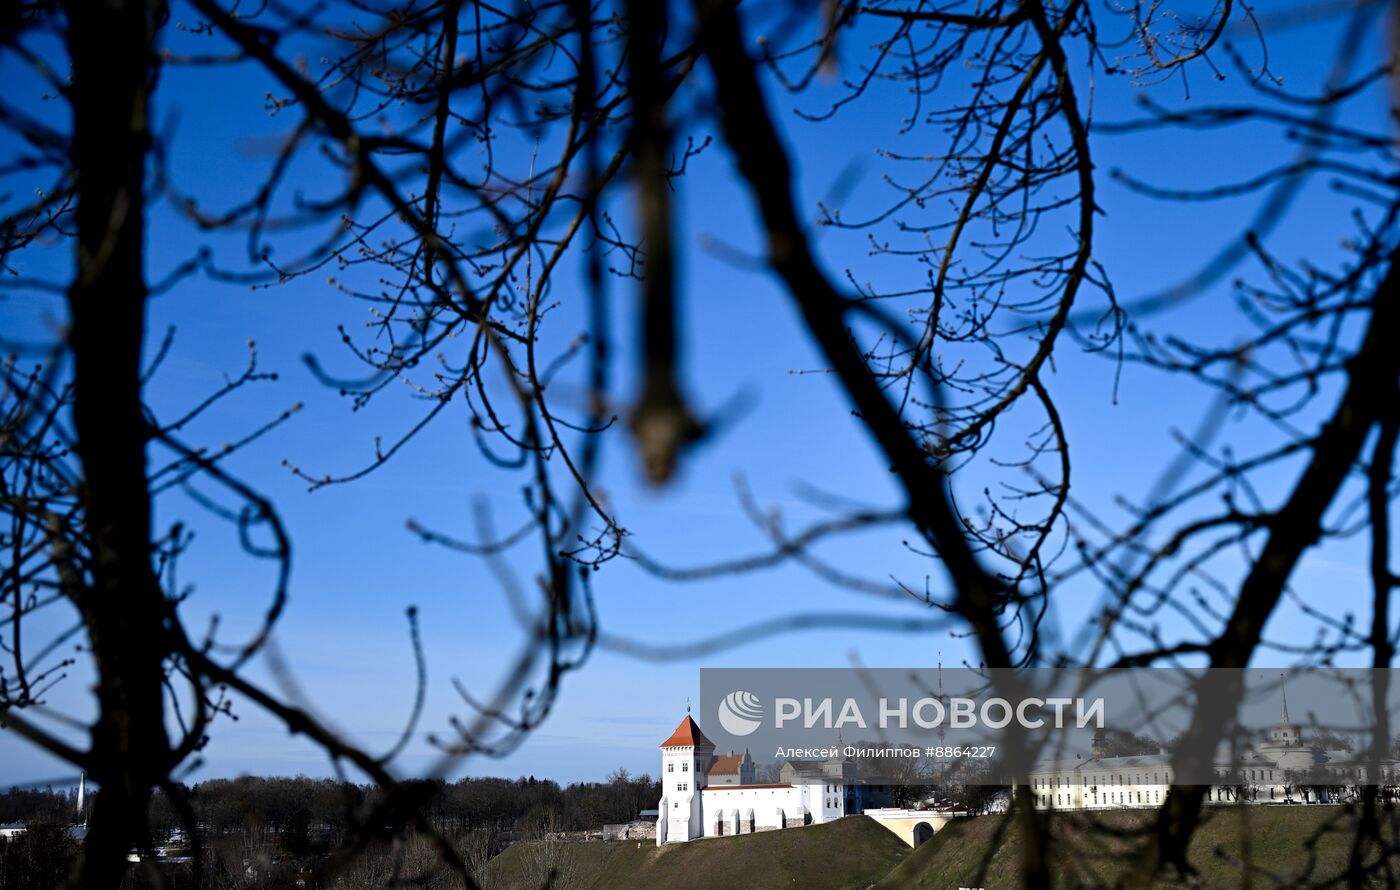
[
  {"x": 722, "y": 801},
  {"x": 680, "y": 794}
]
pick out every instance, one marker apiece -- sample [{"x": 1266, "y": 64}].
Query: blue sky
[{"x": 356, "y": 568}]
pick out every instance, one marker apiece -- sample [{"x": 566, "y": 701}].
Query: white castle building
[
  {"x": 1282, "y": 768},
  {"x": 707, "y": 796}
]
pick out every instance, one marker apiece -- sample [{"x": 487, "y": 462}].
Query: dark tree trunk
[{"x": 114, "y": 66}]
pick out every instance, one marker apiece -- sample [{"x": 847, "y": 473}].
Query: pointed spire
[
  {"x": 1283, "y": 688},
  {"x": 942, "y": 699}
]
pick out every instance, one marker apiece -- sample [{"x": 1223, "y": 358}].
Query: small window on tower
[
  {"x": 685, "y": 767},
  {"x": 670, "y": 767}
]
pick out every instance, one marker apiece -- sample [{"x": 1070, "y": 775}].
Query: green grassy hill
[
  {"x": 1296, "y": 846},
  {"x": 1303, "y": 846},
  {"x": 849, "y": 853}
]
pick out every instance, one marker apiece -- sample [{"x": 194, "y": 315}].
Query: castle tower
[
  {"x": 685, "y": 760},
  {"x": 1099, "y": 747}
]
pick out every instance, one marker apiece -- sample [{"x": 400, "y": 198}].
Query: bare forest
[{"x": 493, "y": 191}]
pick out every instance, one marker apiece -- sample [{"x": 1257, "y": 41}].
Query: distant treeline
[
  {"x": 285, "y": 832},
  {"x": 318, "y": 807},
  {"x": 39, "y": 805}
]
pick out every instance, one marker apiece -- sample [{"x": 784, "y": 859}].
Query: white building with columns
[
  {"x": 707, "y": 796},
  {"x": 1283, "y": 768}
]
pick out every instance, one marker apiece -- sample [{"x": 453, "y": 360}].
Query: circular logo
[{"x": 740, "y": 713}]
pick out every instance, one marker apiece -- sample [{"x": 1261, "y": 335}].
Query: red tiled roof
[
  {"x": 727, "y": 765},
  {"x": 740, "y": 787},
  {"x": 688, "y": 734}
]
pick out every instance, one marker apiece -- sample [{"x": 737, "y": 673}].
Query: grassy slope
[
  {"x": 849, "y": 853},
  {"x": 1275, "y": 839}
]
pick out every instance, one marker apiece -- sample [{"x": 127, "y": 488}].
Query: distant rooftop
[{"x": 726, "y": 765}]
